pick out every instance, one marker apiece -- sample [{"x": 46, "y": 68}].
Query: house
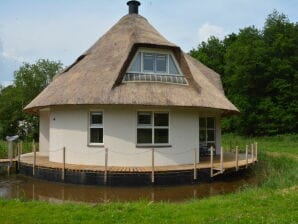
[{"x": 132, "y": 91}]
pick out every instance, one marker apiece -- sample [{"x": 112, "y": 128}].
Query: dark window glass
[
  {"x": 96, "y": 135},
  {"x": 144, "y": 118},
  {"x": 96, "y": 118},
  {"x": 161, "y": 119},
  {"x": 144, "y": 136},
  {"x": 203, "y": 136},
  {"x": 210, "y": 122},
  {"x": 148, "y": 62},
  {"x": 202, "y": 123},
  {"x": 161, "y": 63},
  {"x": 161, "y": 136},
  {"x": 210, "y": 135}
]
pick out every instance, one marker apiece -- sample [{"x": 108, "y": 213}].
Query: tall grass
[{"x": 27, "y": 147}]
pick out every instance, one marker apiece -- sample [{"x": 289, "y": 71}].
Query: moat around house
[{"x": 22, "y": 187}]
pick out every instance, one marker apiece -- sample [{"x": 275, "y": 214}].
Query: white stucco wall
[
  {"x": 44, "y": 132},
  {"x": 69, "y": 128}
]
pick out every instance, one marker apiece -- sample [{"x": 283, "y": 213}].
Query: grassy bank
[
  {"x": 27, "y": 147},
  {"x": 274, "y": 201}
]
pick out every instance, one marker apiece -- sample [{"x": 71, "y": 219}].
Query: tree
[
  {"x": 28, "y": 82},
  {"x": 259, "y": 70}
]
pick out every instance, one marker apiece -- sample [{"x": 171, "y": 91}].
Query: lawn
[{"x": 273, "y": 201}]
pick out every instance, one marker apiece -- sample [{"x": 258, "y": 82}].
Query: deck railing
[{"x": 215, "y": 170}]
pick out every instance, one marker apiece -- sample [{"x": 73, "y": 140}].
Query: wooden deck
[{"x": 229, "y": 163}]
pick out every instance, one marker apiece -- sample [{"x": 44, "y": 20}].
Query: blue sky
[{"x": 63, "y": 29}]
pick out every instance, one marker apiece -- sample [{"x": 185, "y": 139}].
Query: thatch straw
[{"x": 96, "y": 77}]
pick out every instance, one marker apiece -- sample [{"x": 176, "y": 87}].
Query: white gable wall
[{"x": 69, "y": 128}]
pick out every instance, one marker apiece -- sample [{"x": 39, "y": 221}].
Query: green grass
[
  {"x": 27, "y": 147},
  {"x": 280, "y": 144},
  {"x": 273, "y": 201}
]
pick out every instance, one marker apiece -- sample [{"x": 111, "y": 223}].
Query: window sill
[
  {"x": 153, "y": 146},
  {"x": 99, "y": 145}
]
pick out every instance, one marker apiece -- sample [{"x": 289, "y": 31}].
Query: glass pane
[
  {"x": 173, "y": 68},
  {"x": 161, "y": 63},
  {"x": 202, "y": 123},
  {"x": 202, "y": 136},
  {"x": 161, "y": 119},
  {"x": 96, "y": 135},
  {"x": 210, "y": 135},
  {"x": 211, "y": 144},
  {"x": 136, "y": 64},
  {"x": 144, "y": 118},
  {"x": 144, "y": 136},
  {"x": 96, "y": 118},
  {"x": 148, "y": 62},
  {"x": 210, "y": 122},
  {"x": 161, "y": 135}
]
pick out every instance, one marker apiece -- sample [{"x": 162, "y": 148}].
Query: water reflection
[{"x": 17, "y": 186}]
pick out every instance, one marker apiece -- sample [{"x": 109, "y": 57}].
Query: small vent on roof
[{"x": 133, "y": 7}]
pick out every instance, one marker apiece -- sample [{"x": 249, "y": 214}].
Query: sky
[{"x": 61, "y": 30}]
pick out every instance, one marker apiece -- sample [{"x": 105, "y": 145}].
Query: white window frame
[
  {"x": 156, "y": 52},
  {"x": 90, "y": 126},
  {"x": 206, "y": 129},
  {"x": 153, "y": 127}
]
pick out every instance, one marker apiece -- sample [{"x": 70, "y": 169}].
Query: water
[{"x": 18, "y": 186}]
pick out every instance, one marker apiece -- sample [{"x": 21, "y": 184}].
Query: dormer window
[{"x": 154, "y": 66}]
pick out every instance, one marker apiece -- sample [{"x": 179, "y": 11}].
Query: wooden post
[
  {"x": 10, "y": 152},
  {"x": 237, "y": 159},
  {"x": 246, "y": 155},
  {"x": 252, "y": 153},
  {"x": 21, "y": 147},
  {"x": 195, "y": 165},
  {"x": 152, "y": 169},
  {"x": 105, "y": 180},
  {"x": 256, "y": 151},
  {"x": 19, "y": 154},
  {"x": 34, "y": 157},
  {"x": 211, "y": 162},
  {"x": 221, "y": 159},
  {"x": 63, "y": 167}
]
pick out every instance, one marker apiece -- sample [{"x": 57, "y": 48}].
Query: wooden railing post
[
  {"x": 246, "y": 155},
  {"x": 34, "y": 157},
  {"x": 252, "y": 153},
  {"x": 19, "y": 155},
  {"x": 237, "y": 159},
  {"x": 256, "y": 151},
  {"x": 152, "y": 168},
  {"x": 63, "y": 167},
  {"x": 195, "y": 165},
  {"x": 211, "y": 162},
  {"x": 221, "y": 159},
  {"x": 105, "y": 180}
]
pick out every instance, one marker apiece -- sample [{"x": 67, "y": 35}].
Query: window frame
[
  {"x": 153, "y": 127},
  {"x": 206, "y": 129},
  {"x": 155, "y": 52},
  {"x": 100, "y": 126}
]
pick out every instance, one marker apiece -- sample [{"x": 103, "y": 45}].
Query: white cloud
[{"x": 207, "y": 30}]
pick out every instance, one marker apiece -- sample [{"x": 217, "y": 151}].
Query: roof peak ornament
[{"x": 133, "y": 7}]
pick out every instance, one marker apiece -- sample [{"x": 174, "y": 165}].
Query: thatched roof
[{"x": 96, "y": 77}]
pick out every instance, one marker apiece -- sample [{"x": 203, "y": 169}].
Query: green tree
[
  {"x": 259, "y": 70},
  {"x": 28, "y": 82}
]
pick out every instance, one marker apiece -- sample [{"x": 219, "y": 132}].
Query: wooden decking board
[{"x": 229, "y": 162}]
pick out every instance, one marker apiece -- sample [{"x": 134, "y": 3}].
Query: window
[
  {"x": 154, "y": 63},
  {"x": 207, "y": 131},
  {"x": 96, "y": 128},
  {"x": 153, "y": 128}
]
